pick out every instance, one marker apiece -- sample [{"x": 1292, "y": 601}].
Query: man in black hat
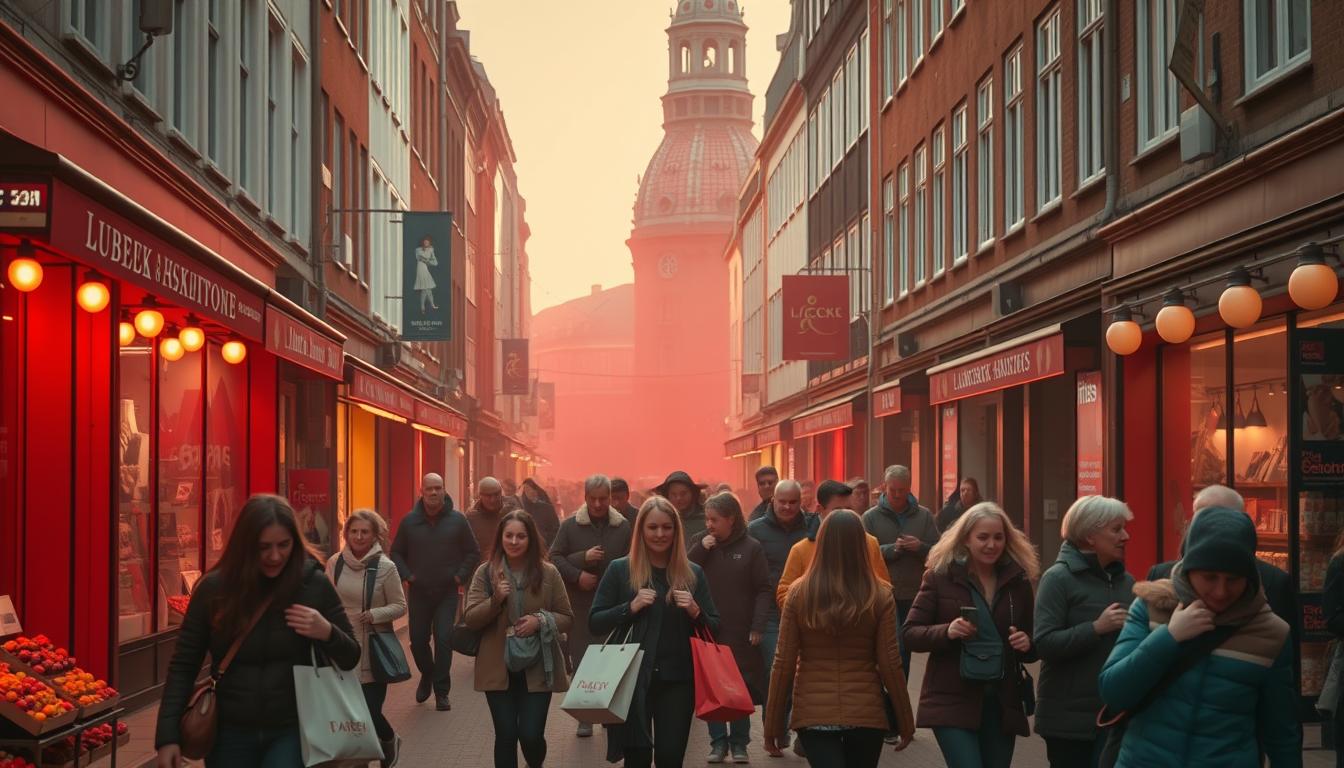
[{"x": 684, "y": 493}]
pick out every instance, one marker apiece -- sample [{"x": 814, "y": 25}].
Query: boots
[{"x": 391, "y": 748}]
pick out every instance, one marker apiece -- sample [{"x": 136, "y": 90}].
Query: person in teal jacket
[{"x": 1210, "y": 625}]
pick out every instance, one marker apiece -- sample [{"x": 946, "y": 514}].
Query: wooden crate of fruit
[
  {"x": 38, "y": 656},
  {"x": 31, "y": 704}
]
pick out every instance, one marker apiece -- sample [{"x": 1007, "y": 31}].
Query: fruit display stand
[
  {"x": 39, "y": 658},
  {"x": 39, "y": 748}
]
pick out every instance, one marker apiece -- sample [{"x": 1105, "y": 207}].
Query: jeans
[
  {"x": 850, "y": 748},
  {"x": 520, "y": 720},
  {"x": 671, "y": 707},
  {"x": 770, "y": 639},
  {"x": 1073, "y": 753},
  {"x": 237, "y": 747},
  {"x": 434, "y": 613},
  {"x": 375, "y": 694},
  {"x": 988, "y": 747},
  {"x": 734, "y": 734},
  {"x": 902, "y": 610}
]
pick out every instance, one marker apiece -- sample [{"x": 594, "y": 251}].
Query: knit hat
[{"x": 1221, "y": 539}]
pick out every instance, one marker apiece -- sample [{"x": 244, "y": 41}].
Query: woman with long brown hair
[
  {"x": 269, "y": 580},
  {"x": 518, "y": 602},
  {"x": 837, "y": 651},
  {"x": 661, "y": 597}
]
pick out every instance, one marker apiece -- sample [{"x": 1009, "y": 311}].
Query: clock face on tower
[{"x": 667, "y": 266}]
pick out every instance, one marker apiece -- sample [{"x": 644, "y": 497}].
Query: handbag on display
[
  {"x": 334, "y": 719},
  {"x": 603, "y": 686},
  {"x": 721, "y": 694},
  {"x": 200, "y": 720}
]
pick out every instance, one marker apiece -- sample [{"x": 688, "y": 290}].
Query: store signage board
[
  {"x": 426, "y": 311},
  {"x": 298, "y": 343},
  {"x": 516, "y": 380},
  {"x": 1091, "y": 434},
  {"x": 829, "y": 420},
  {"x": 769, "y": 436},
  {"x": 886, "y": 402},
  {"x": 951, "y": 478},
  {"x": 739, "y": 446},
  {"x": 442, "y": 419},
  {"x": 369, "y": 389},
  {"x": 110, "y": 243},
  {"x": 24, "y": 204},
  {"x": 816, "y": 317},
  {"x": 1012, "y": 367},
  {"x": 9, "y": 618}
]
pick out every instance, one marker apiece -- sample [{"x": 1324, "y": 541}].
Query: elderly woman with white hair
[{"x": 1081, "y": 604}]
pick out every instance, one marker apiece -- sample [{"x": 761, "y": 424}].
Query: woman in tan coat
[
  {"x": 365, "y": 538},
  {"x": 518, "y": 603},
  {"x": 837, "y": 650}
]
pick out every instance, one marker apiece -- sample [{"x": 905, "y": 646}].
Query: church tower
[{"x": 683, "y": 219}]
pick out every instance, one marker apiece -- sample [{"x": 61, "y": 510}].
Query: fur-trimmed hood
[
  {"x": 614, "y": 517},
  {"x": 1259, "y": 632}
]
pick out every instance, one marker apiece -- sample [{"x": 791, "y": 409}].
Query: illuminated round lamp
[
  {"x": 149, "y": 322},
  {"x": 24, "y": 272},
  {"x": 233, "y": 352},
  {"x": 1124, "y": 336},
  {"x": 1313, "y": 284},
  {"x": 125, "y": 333},
  {"x": 461, "y": 451},
  {"x": 1175, "y": 321},
  {"x": 92, "y": 296},
  {"x": 171, "y": 349},
  {"x": 1240, "y": 304},
  {"x": 192, "y": 338}
]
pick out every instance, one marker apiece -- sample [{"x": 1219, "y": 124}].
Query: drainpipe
[{"x": 318, "y": 249}]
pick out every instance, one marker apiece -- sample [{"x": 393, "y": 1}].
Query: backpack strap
[
  {"x": 370, "y": 581},
  {"x": 340, "y": 566}
]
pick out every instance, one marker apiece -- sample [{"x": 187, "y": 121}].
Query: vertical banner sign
[
  {"x": 546, "y": 405},
  {"x": 426, "y": 282},
  {"x": 513, "y": 353},
  {"x": 816, "y": 317},
  {"x": 948, "y": 417},
  {"x": 1091, "y": 431}
]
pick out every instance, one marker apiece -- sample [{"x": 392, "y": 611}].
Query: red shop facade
[{"x": 141, "y": 379}]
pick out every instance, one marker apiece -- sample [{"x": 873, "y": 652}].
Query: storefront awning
[
  {"x": 827, "y": 417},
  {"x": 439, "y": 419},
  {"x": 301, "y": 342},
  {"x": 770, "y": 435},
  {"x": 1031, "y": 357},
  {"x": 887, "y": 399},
  {"x": 377, "y": 393},
  {"x": 739, "y": 446}
]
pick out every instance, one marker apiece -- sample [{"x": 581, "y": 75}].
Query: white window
[
  {"x": 935, "y": 18},
  {"x": 812, "y": 137},
  {"x": 902, "y": 40},
  {"x": 960, "y": 178},
  {"x": 277, "y": 56},
  {"x": 856, "y": 303},
  {"x": 865, "y": 262},
  {"x": 837, "y": 117},
  {"x": 91, "y": 21},
  {"x": 1158, "y": 116},
  {"x": 298, "y": 158},
  {"x": 853, "y": 100},
  {"x": 214, "y": 83},
  {"x": 888, "y": 50},
  {"x": 904, "y": 176},
  {"x": 984, "y": 162},
  {"x": 958, "y": 6},
  {"x": 1278, "y": 36},
  {"x": 888, "y": 240},
  {"x": 248, "y": 144},
  {"x": 1090, "y": 44},
  {"x": 1048, "y": 78},
  {"x": 917, "y": 28},
  {"x": 824, "y": 144},
  {"x": 1014, "y": 175},
  {"x": 938, "y": 223},
  {"x": 864, "y": 82},
  {"x": 920, "y": 224},
  {"x": 183, "y": 70}
]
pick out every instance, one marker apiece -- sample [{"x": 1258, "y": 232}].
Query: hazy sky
[{"x": 580, "y": 83}]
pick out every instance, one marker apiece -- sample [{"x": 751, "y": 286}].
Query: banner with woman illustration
[{"x": 426, "y": 243}]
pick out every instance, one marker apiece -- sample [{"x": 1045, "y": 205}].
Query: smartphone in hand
[{"x": 968, "y": 613}]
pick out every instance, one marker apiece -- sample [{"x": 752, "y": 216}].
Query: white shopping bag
[
  {"x": 602, "y": 687},
  {"x": 334, "y": 720}
]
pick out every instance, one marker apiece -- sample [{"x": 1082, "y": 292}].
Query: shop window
[
  {"x": 1258, "y": 410},
  {"x": 225, "y": 449},
  {"x": 1193, "y": 435},
  {"x": 134, "y": 500},
  {"x": 305, "y": 453},
  {"x": 179, "y": 484}
]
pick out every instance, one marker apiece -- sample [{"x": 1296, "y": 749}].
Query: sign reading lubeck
[
  {"x": 1025, "y": 363},
  {"x": 816, "y": 317}
]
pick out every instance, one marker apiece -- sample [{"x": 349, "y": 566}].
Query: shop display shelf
[
  {"x": 82, "y": 712},
  {"x": 35, "y": 727}
]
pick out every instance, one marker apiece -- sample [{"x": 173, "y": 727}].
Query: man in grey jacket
[{"x": 905, "y": 532}]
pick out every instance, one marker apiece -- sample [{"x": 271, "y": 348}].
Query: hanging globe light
[
  {"x": 148, "y": 322},
  {"x": 125, "y": 333},
  {"x": 170, "y": 349},
  {"x": 233, "y": 352},
  {"x": 192, "y": 338},
  {"x": 1313, "y": 284},
  {"x": 1175, "y": 321},
  {"x": 92, "y": 296},
  {"x": 25, "y": 273},
  {"x": 1240, "y": 304},
  {"x": 1124, "y": 336}
]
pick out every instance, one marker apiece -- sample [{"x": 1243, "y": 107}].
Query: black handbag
[
  {"x": 1026, "y": 684},
  {"x": 464, "y": 639},
  {"x": 387, "y": 661}
]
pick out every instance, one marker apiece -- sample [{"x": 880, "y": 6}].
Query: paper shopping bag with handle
[
  {"x": 721, "y": 695},
  {"x": 334, "y": 721},
  {"x": 604, "y": 684}
]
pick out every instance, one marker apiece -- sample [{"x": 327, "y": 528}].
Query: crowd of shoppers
[{"x": 821, "y": 612}]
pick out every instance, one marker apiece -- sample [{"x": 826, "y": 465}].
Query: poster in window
[
  {"x": 426, "y": 285},
  {"x": 310, "y": 495},
  {"x": 951, "y": 480},
  {"x": 1320, "y": 361},
  {"x": 1091, "y": 434}
]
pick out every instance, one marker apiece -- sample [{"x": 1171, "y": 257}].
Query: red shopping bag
[{"x": 721, "y": 695}]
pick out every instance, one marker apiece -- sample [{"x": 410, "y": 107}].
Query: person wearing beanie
[{"x": 1202, "y": 661}]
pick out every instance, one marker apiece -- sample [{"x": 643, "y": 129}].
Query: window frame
[
  {"x": 1014, "y": 142},
  {"x": 889, "y": 239},
  {"x": 920, "y": 213},
  {"x": 888, "y": 50},
  {"x": 1049, "y": 111},
  {"x": 938, "y": 202},
  {"x": 1090, "y": 75},
  {"x": 984, "y": 163},
  {"x": 959, "y": 241},
  {"x": 1285, "y": 60},
  {"x": 1150, "y": 60},
  {"x": 903, "y": 204}
]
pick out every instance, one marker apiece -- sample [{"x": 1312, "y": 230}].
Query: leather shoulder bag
[
  {"x": 464, "y": 639},
  {"x": 200, "y": 720},
  {"x": 387, "y": 662}
]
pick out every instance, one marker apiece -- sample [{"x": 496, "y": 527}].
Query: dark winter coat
[
  {"x": 778, "y": 541},
  {"x": 693, "y": 524},
  {"x": 611, "y": 610},
  {"x": 1072, "y": 594},
  {"x": 542, "y": 511},
  {"x": 760, "y": 510},
  {"x": 950, "y": 512},
  {"x": 579, "y": 533},
  {"x": 484, "y": 523},
  {"x": 257, "y": 691},
  {"x": 436, "y": 555},
  {"x": 905, "y": 568},
  {"x": 946, "y": 700},
  {"x": 739, "y": 579}
]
